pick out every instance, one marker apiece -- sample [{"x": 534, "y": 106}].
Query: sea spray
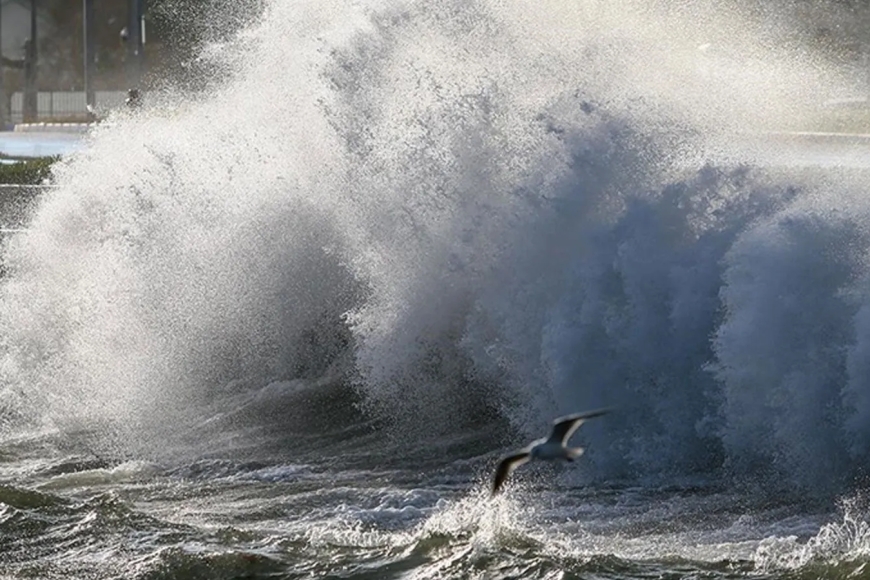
[{"x": 459, "y": 212}]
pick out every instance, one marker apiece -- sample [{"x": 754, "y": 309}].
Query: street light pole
[
  {"x": 2, "y": 76},
  {"x": 90, "y": 53},
  {"x": 31, "y": 56},
  {"x": 135, "y": 54}
]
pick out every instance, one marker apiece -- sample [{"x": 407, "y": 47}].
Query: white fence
[{"x": 64, "y": 105}]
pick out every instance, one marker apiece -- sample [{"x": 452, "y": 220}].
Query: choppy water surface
[
  {"x": 78, "y": 515},
  {"x": 285, "y": 326}
]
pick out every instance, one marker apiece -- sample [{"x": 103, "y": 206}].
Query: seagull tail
[{"x": 574, "y": 452}]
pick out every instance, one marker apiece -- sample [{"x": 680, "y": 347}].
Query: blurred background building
[
  {"x": 133, "y": 43},
  {"x": 58, "y": 77}
]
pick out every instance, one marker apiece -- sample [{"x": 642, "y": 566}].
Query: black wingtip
[
  {"x": 497, "y": 482},
  {"x": 584, "y": 415},
  {"x": 598, "y": 412}
]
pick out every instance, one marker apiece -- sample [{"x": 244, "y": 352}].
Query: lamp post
[
  {"x": 31, "y": 55},
  {"x": 5, "y": 63},
  {"x": 89, "y": 52},
  {"x": 135, "y": 40},
  {"x": 3, "y": 112}
]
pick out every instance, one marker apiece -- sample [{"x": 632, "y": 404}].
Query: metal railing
[{"x": 64, "y": 105}]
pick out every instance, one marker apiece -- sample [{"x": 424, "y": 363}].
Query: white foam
[
  {"x": 487, "y": 205},
  {"x": 127, "y": 472}
]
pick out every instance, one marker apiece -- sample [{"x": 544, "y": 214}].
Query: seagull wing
[
  {"x": 564, "y": 427},
  {"x": 506, "y": 466}
]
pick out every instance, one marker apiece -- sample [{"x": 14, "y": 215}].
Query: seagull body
[{"x": 549, "y": 448}]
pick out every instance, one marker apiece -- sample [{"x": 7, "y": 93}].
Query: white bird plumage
[{"x": 548, "y": 448}]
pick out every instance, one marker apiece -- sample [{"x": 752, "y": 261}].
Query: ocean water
[{"x": 284, "y": 325}]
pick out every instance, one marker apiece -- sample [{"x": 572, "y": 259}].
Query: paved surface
[
  {"x": 785, "y": 148},
  {"x": 41, "y": 144}
]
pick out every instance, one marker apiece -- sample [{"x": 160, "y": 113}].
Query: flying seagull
[{"x": 549, "y": 448}]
